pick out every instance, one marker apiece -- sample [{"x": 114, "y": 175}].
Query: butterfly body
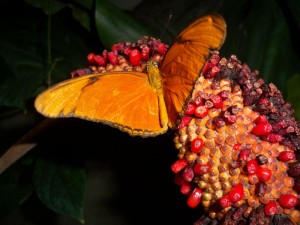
[
  {"x": 140, "y": 103},
  {"x": 155, "y": 81}
]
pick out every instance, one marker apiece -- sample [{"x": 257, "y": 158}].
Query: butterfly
[{"x": 140, "y": 103}]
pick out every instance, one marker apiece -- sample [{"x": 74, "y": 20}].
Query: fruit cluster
[
  {"x": 237, "y": 145},
  {"x": 125, "y": 56}
]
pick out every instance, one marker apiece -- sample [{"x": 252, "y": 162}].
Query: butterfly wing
[
  {"x": 124, "y": 100},
  {"x": 185, "y": 59}
]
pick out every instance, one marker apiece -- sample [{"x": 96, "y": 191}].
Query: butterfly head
[{"x": 151, "y": 64}]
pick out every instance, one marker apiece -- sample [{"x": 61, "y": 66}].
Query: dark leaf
[
  {"x": 48, "y": 6},
  {"x": 12, "y": 192},
  {"x": 114, "y": 25},
  {"x": 60, "y": 187}
]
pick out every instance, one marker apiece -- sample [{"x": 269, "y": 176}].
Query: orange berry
[
  {"x": 257, "y": 148},
  {"x": 288, "y": 182},
  {"x": 226, "y": 149},
  {"x": 241, "y": 138},
  {"x": 253, "y": 179},
  {"x": 220, "y": 139},
  {"x": 264, "y": 199},
  {"x": 230, "y": 140},
  {"x": 209, "y": 143},
  {"x": 285, "y": 190},
  {"x": 253, "y": 201},
  {"x": 231, "y": 129},
  {"x": 275, "y": 193},
  {"x": 295, "y": 216}
]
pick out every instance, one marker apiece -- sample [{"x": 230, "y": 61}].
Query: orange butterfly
[{"x": 143, "y": 104}]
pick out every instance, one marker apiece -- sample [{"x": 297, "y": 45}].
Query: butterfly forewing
[
  {"x": 185, "y": 59},
  {"x": 122, "y": 100}
]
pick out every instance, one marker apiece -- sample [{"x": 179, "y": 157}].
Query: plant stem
[
  {"x": 49, "y": 43},
  {"x": 23, "y": 145}
]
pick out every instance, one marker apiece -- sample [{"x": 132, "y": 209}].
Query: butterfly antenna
[{"x": 166, "y": 25}]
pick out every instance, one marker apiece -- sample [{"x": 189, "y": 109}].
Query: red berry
[
  {"x": 237, "y": 193},
  {"x": 286, "y": 156},
  {"x": 105, "y": 54},
  {"x": 113, "y": 59},
  {"x": 145, "y": 53},
  {"x": 194, "y": 198},
  {"x": 100, "y": 60},
  {"x": 261, "y": 119},
  {"x": 225, "y": 202},
  {"x": 188, "y": 174},
  {"x": 264, "y": 174},
  {"x": 197, "y": 145},
  {"x": 237, "y": 147},
  {"x": 213, "y": 72},
  {"x": 161, "y": 48},
  {"x": 205, "y": 68},
  {"x": 186, "y": 188},
  {"x": 274, "y": 138},
  {"x": 198, "y": 101},
  {"x": 231, "y": 119},
  {"x": 218, "y": 102},
  {"x": 127, "y": 50},
  {"x": 201, "y": 169},
  {"x": 224, "y": 94},
  {"x": 214, "y": 60},
  {"x": 263, "y": 101},
  {"x": 116, "y": 48},
  {"x": 252, "y": 166},
  {"x": 184, "y": 121},
  {"x": 244, "y": 154},
  {"x": 90, "y": 58},
  {"x": 270, "y": 208},
  {"x": 81, "y": 72},
  {"x": 201, "y": 111},
  {"x": 135, "y": 57},
  {"x": 190, "y": 110},
  {"x": 288, "y": 201},
  {"x": 262, "y": 129},
  {"x": 179, "y": 165}
]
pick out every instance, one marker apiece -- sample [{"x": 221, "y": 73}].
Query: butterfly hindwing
[{"x": 185, "y": 59}]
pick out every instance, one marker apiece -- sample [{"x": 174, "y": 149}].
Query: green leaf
[
  {"x": 48, "y": 6},
  {"x": 60, "y": 187},
  {"x": 114, "y": 25},
  {"x": 82, "y": 17},
  {"x": 82, "y": 12}
]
